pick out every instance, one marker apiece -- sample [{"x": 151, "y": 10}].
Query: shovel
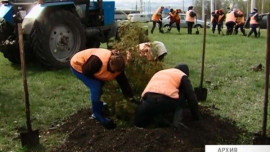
[
  {"x": 201, "y": 92},
  {"x": 261, "y": 139},
  {"x": 29, "y": 137},
  {"x": 197, "y": 32}
]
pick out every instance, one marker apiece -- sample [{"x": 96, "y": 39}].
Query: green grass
[{"x": 233, "y": 87}]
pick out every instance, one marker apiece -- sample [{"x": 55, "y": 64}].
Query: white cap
[{"x": 157, "y": 49}]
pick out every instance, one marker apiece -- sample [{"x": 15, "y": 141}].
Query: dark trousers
[
  {"x": 190, "y": 26},
  {"x": 230, "y": 26},
  {"x": 214, "y": 24},
  {"x": 177, "y": 26},
  {"x": 241, "y": 26},
  {"x": 159, "y": 26},
  {"x": 156, "y": 104},
  {"x": 253, "y": 29}
]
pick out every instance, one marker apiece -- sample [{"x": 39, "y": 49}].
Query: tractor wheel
[
  {"x": 9, "y": 44},
  {"x": 57, "y": 36}
]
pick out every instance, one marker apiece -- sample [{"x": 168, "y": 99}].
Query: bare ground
[{"x": 85, "y": 135}]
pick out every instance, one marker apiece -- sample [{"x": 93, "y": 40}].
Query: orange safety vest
[
  {"x": 157, "y": 15},
  {"x": 78, "y": 60},
  {"x": 252, "y": 19},
  {"x": 165, "y": 82},
  {"x": 230, "y": 17},
  {"x": 220, "y": 18},
  {"x": 177, "y": 16},
  {"x": 240, "y": 20},
  {"x": 188, "y": 17},
  {"x": 212, "y": 18}
]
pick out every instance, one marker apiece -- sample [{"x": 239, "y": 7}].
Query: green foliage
[{"x": 138, "y": 70}]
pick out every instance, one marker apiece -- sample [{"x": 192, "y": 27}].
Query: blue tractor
[{"x": 54, "y": 30}]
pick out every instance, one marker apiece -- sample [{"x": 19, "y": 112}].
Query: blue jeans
[{"x": 94, "y": 85}]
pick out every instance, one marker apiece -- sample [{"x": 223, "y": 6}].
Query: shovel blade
[
  {"x": 197, "y": 32},
  {"x": 260, "y": 140},
  {"x": 201, "y": 93},
  {"x": 30, "y": 138}
]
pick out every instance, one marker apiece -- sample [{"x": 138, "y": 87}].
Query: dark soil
[{"x": 85, "y": 135}]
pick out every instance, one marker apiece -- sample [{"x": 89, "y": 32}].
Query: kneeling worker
[{"x": 167, "y": 91}]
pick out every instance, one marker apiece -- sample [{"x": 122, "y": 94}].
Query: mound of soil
[{"x": 85, "y": 135}]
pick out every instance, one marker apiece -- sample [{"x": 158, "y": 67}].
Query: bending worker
[
  {"x": 174, "y": 18},
  {"x": 157, "y": 18},
  {"x": 167, "y": 91},
  {"x": 230, "y": 22},
  {"x": 152, "y": 51},
  {"x": 217, "y": 20},
  {"x": 96, "y": 66},
  {"x": 240, "y": 22}
]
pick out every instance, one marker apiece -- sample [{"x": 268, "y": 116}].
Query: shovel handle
[
  {"x": 26, "y": 94},
  {"x": 203, "y": 51}
]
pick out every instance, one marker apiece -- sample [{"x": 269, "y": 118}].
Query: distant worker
[
  {"x": 230, "y": 22},
  {"x": 157, "y": 18},
  {"x": 168, "y": 91},
  {"x": 253, "y": 21},
  {"x": 174, "y": 18},
  {"x": 221, "y": 18},
  {"x": 96, "y": 66},
  {"x": 214, "y": 20},
  {"x": 217, "y": 20},
  {"x": 240, "y": 22},
  {"x": 190, "y": 18}
]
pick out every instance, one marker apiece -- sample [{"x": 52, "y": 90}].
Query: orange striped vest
[
  {"x": 78, "y": 60},
  {"x": 165, "y": 82}
]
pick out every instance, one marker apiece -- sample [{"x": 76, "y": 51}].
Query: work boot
[{"x": 97, "y": 115}]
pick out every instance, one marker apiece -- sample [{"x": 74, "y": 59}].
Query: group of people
[
  {"x": 234, "y": 20},
  {"x": 95, "y": 66},
  {"x": 174, "y": 18}
]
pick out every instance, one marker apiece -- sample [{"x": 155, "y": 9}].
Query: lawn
[{"x": 235, "y": 90}]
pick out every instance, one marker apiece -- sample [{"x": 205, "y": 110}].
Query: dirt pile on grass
[{"x": 85, "y": 135}]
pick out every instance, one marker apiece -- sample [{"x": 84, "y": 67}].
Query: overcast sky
[{"x": 151, "y": 5}]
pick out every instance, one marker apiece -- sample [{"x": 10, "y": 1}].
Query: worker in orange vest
[
  {"x": 157, "y": 18},
  {"x": 168, "y": 90},
  {"x": 230, "y": 22},
  {"x": 214, "y": 20},
  {"x": 174, "y": 18},
  {"x": 221, "y": 18},
  {"x": 253, "y": 21},
  {"x": 190, "y": 18},
  {"x": 217, "y": 20},
  {"x": 240, "y": 22},
  {"x": 152, "y": 51},
  {"x": 96, "y": 66}
]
